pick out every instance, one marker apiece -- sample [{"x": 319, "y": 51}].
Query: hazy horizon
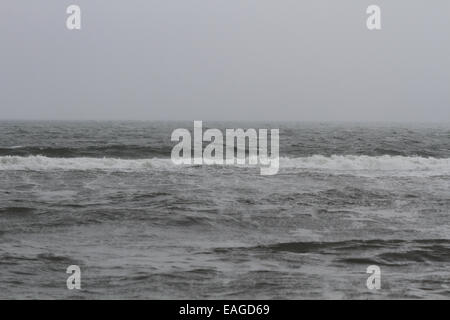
[
  {"x": 214, "y": 60},
  {"x": 437, "y": 122}
]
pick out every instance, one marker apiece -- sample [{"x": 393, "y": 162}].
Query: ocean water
[{"x": 106, "y": 196}]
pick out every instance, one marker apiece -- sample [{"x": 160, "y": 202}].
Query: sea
[{"x": 105, "y": 196}]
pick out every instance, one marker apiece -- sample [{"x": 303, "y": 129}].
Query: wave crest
[
  {"x": 336, "y": 164},
  {"x": 368, "y": 163},
  {"x": 42, "y": 163}
]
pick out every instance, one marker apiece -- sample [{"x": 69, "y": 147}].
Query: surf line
[{"x": 238, "y": 143}]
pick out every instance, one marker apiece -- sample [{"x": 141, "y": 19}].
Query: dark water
[{"x": 105, "y": 196}]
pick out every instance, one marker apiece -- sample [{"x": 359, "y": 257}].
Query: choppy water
[{"x": 105, "y": 196}]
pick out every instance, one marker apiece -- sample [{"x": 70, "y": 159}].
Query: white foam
[
  {"x": 41, "y": 163},
  {"x": 359, "y": 165},
  {"x": 370, "y": 164}
]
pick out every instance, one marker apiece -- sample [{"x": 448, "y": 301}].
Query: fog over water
[{"x": 221, "y": 60}]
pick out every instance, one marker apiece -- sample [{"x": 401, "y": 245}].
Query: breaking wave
[
  {"x": 42, "y": 163},
  {"x": 336, "y": 164},
  {"x": 385, "y": 163}
]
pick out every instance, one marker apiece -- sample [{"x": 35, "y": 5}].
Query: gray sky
[{"x": 225, "y": 60}]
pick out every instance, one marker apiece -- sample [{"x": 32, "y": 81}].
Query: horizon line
[{"x": 224, "y": 120}]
